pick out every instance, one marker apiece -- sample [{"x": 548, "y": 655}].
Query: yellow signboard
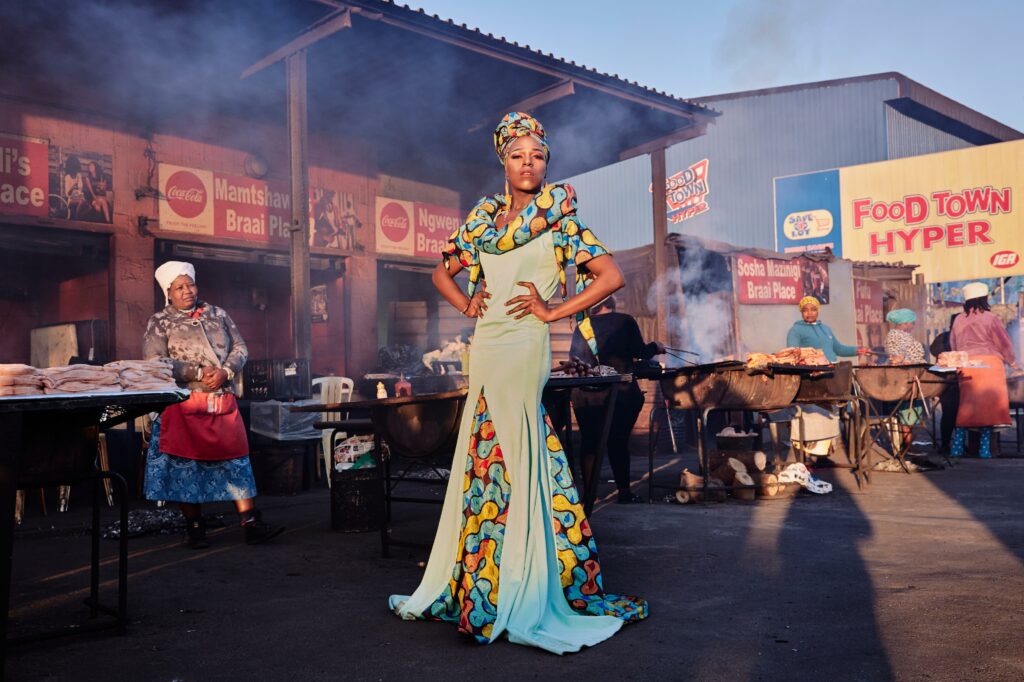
[{"x": 957, "y": 215}]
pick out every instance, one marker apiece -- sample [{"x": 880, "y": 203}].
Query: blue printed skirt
[{"x": 180, "y": 479}]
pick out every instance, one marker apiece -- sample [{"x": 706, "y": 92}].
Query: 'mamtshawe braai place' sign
[
  {"x": 772, "y": 281},
  {"x": 954, "y": 214}
]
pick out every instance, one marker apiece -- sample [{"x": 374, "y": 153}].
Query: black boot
[
  {"x": 195, "y": 533},
  {"x": 256, "y": 530}
]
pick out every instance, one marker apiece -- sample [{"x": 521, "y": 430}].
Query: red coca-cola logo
[
  {"x": 1004, "y": 259},
  {"x": 185, "y": 194},
  {"x": 394, "y": 222}
]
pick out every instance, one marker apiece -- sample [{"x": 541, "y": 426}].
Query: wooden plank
[
  {"x": 660, "y": 216},
  {"x": 544, "y": 96}
]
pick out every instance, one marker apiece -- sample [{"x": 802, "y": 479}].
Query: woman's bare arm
[{"x": 444, "y": 280}]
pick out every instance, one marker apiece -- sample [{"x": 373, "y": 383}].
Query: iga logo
[
  {"x": 185, "y": 194},
  {"x": 1004, "y": 259},
  {"x": 394, "y": 222}
]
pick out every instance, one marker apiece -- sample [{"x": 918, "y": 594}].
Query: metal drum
[
  {"x": 834, "y": 383},
  {"x": 423, "y": 428},
  {"x": 934, "y": 383},
  {"x": 891, "y": 382},
  {"x": 698, "y": 387},
  {"x": 759, "y": 391}
]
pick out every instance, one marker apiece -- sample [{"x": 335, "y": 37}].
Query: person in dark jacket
[
  {"x": 619, "y": 345},
  {"x": 950, "y": 398}
]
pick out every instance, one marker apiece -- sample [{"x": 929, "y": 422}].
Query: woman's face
[
  {"x": 809, "y": 313},
  {"x": 183, "y": 292},
  {"x": 906, "y": 326},
  {"x": 525, "y": 165}
]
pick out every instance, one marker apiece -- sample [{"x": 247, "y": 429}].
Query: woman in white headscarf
[{"x": 199, "y": 451}]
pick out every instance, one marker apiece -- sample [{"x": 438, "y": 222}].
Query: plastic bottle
[{"x": 381, "y": 391}]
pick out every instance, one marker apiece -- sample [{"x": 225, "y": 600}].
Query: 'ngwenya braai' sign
[
  {"x": 414, "y": 228},
  {"x": 954, "y": 214}
]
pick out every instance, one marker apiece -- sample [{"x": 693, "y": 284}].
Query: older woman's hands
[
  {"x": 529, "y": 304},
  {"x": 214, "y": 377}
]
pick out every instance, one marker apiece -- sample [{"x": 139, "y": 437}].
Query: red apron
[
  {"x": 984, "y": 399},
  {"x": 206, "y": 426}
]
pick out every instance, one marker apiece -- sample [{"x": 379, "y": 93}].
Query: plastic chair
[{"x": 330, "y": 390}]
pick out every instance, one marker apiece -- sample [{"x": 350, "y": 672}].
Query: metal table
[{"x": 19, "y": 414}]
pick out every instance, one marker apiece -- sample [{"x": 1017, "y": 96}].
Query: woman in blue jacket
[{"x": 810, "y": 333}]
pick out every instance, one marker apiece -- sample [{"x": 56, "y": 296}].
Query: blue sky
[{"x": 971, "y": 51}]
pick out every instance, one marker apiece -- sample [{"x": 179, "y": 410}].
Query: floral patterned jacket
[{"x": 188, "y": 343}]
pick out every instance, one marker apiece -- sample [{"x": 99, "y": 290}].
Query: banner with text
[
  {"x": 220, "y": 205},
  {"x": 770, "y": 281},
  {"x": 955, "y": 214},
  {"x": 867, "y": 304},
  {"x": 23, "y": 176},
  {"x": 413, "y": 228}
]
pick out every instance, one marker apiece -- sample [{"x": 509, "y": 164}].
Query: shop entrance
[{"x": 56, "y": 282}]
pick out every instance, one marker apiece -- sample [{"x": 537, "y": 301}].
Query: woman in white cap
[
  {"x": 199, "y": 451},
  {"x": 984, "y": 401}
]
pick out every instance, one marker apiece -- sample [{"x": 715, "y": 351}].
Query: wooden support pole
[
  {"x": 660, "y": 214},
  {"x": 297, "y": 149}
]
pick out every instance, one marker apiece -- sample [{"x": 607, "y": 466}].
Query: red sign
[
  {"x": 434, "y": 225},
  {"x": 867, "y": 305},
  {"x": 767, "y": 281},
  {"x": 394, "y": 221},
  {"x": 23, "y": 177},
  {"x": 1004, "y": 259},
  {"x": 254, "y": 210},
  {"x": 186, "y": 194}
]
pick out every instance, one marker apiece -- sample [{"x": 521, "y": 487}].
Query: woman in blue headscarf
[{"x": 902, "y": 348}]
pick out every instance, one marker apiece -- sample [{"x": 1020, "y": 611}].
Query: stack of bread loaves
[
  {"x": 81, "y": 379},
  {"x": 144, "y": 375}
]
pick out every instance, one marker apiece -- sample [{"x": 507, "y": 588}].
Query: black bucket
[{"x": 357, "y": 500}]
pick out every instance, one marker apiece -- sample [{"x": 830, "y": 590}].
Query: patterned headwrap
[
  {"x": 514, "y": 125},
  {"x": 811, "y": 301},
  {"x": 901, "y": 316},
  {"x": 552, "y": 209}
]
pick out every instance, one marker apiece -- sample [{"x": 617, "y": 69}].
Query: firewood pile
[{"x": 744, "y": 475}]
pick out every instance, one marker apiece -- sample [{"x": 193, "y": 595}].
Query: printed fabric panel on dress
[
  {"x": 471, "y": 598},
  {"x": 578, "y": 565}
]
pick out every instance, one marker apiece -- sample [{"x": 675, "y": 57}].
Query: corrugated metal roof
[{"x": 404, "y": 12}]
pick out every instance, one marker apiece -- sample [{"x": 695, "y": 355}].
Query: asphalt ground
[{"x": 919, "y": 577}]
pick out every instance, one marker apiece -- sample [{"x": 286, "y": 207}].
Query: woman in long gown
[{"x": 513, "y": 551}]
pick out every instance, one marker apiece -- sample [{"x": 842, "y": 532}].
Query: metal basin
[
  {"x": 759, "y": 391},
  {"x": 890, "y": 382},
  {"x": 423, "y": 428},
  {"x": 1015, "y": 387},
  {"x": 834, "y": 384},
  {"x": 695, "y": 388}
]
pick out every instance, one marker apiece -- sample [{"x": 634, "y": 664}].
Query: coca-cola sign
[
  {"x": 394, "y": 221},
  {"x": 186, "y": 195}
]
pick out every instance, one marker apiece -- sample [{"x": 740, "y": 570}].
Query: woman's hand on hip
[
  {"x": 529, "y": 304},
  {"x": 214, "y": 377},
  {"x": 478, "y": 304}
]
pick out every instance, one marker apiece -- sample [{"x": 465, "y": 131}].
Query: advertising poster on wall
[
  {"x": 954, "y": 214},
  {"x": 23, "y": 176},
  {"x": 686, "y": 192},
  {"x": 334, "y": 219},
  {"x": 867, "y": 303},
  {"x": 81, "y": 185},
  {"x": 771, "y": 281},
  {"x": 409, "y": 228}
]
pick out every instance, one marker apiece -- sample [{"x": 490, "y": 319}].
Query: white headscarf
[{"x": 170, "y": 271}]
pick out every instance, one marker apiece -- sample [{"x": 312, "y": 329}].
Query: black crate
[{"x": 276, "y": 380}]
